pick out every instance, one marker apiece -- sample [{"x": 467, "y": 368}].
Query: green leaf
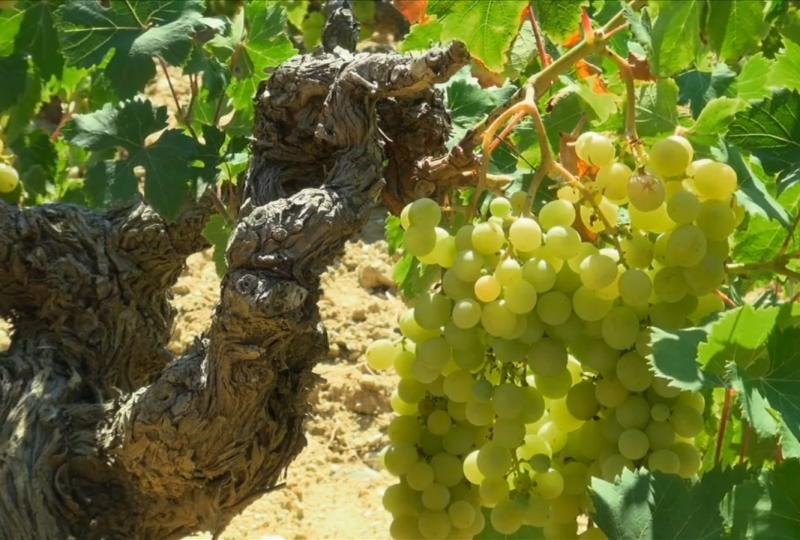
[
  {"x": 559, "y": 19},
  {"x": 267, "y": 44},
  {"x": 124, "y": 126},
  {"x": 468, "y": 103},
  {"x": 296, "y": 10},
  {"x": 37, "y": 35},
  {"x": 645, "y": 504},
  {"x": 786, "y": 69},
  {"x": 640, "y": 25},
  {"x": 312, "y": 29},
  {"x": 756, "y": 198},
  {"x": 771, "y": 130},
  {"x": 412, "y": 277},
  {"x": 697, "y": 87},
  {"x": 752, "y": 82},
  {"x": 751, "y": 402},
  {"x": 487, "y": 27},
  {"x": 523, "y": 51},
  {"x": 36, "y": 162},
  {"x": 601, "y": 105},
  {"x": 656, "y": 107},
  {"x": 715, "y": 117},
  {"x": 135, "y": 31},
  {"x": 217, "y": 232},
  {"x": 168, "y": 174},
  {"x": 109, "y": 182},
  {"x": 676, "y": 36},
  {"x": 736, "y": 28},
  {"x": 14, "y": 70},
  {"x": 769, "y": 509},
  {"x": 10, "y": 21},
  {"x": 674, "y": 357},
  {"x": 422, "y": 36},
  {"x": 20, "y": 115},
  {"x": 762, "y": 238},
  {"x": 393, "y": 233}
]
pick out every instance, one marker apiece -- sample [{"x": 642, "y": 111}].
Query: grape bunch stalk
[{"x": 524, "y": 371}]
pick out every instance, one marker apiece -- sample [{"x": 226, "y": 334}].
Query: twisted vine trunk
[{"x": 103, "y": 434}]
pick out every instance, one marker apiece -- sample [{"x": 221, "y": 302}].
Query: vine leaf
[
  {"x": 136, "y": 32},
  {"x": 736, "y": 28},
  {"x": 217, "y": 231},
  {"x": 14, "y": 69},
  {"x": 697, "y": 87},
  {"x": 752, "y": 82},
  {"x": 559, "y": 19},
  {"x": 762, "y": 239},
  {"x": 754, "y": 406},
  {"x": 770, "y": 130},
  {"x": 753, "y": 193},
  {"x": 487, "y": 27},
  {"x": 644, "y": 504},
  {"x": 10, "y": 21},
  {"x": 714, "y": 118},
  {"x": 422, "y": 36},
  {"x": 676, "y": 36},
  {"x": 769, "y": 507},
  {"x": 674, "y": 357},
  {"x": 785, "y": 72},
  {"x": 656, "y": 107},
  {"x": 38, "y": 36}
]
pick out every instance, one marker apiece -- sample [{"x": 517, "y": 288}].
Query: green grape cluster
[
  {"x": 9, "y": 178},
  {"x": 524, "y": 371}
]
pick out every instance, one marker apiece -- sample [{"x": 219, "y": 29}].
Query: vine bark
[{"x": 103, "y": 433}]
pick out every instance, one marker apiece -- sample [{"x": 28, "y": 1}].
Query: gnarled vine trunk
[{"x": 103, "y": 434}]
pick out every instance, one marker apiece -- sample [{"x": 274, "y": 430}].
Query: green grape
[
  {"x": 657, "y": 221},
  {"x": 434, "y": 525},
  {"x": 713, "y": 180},
  {"x": 669, "y": 284},
  {"x": 518, "y": 201},
  {"x": 613, "y": 465},
  {"x": 560, "y": 531},
  {"x": 454, "y": 287},
  {"x": 547, "y": 357},
  {"x": 706, "y": 276},
  {"x": 533, "y": 445},
  {"x": 593, "y": 533},
  {"x": 508, "y": 400},
  {"x": 444, "y": 251},
  {"x": 613, "y": 179},
  {"x": 581, "y": 401},
  {"x": 686, "y": 246},
  {"x": 487, "y": 238},
  {"x": 404, "y": 217},
  {"x": 493, "y": 490},
  {"x": 686, "y": 421},
  {"x": 588, "y": 306},
  {"x": 556, "y": 213},
  {"x": 610, "y": 428},
  {"x": 508, "y": 272},
  {"x": 435, "y": 497},
  {"x": 424, "y": 213},
  {"x": 468, "y": 265},
  {"x": 438, "y": 422},
  {"x": 668, "y": 316},
  {"x": 664, "y": 460},
  {"x": 534, "y": 329},
  {"x": 567, "y": 280},
  {"x": 662, "y": 388},
  {"x": 470, "y": 468},
  {"x": 509, "y": 351},
  {"x": 563, "y": 241},
  {"x": 509, "y": 432},
  {"x": 564, "y": 509},
  {"x": 598, "y": 271},
  {"x": 493, "y": 460},
  {"x": 670, "y": 157},
  {"x": 590, "y": 441},
  {"x": 447, "y": 469},
  {"x": 466, "y": 313},
  {"x": 660, "y": 434},
  {"x": 410, "y": 390},
  {"x": 404, "y": 528},
  {"x": 533, "y": 405},
  {"x": 434, "y": 353},
  {"x": 382, "y": 353},
  {"x": 430, "y": 444},
  {"x": 553, "y": 435},
  {"x": 633, "y": 372},
  {"x": 400, "y": 500},
  {"x": 464, "y": 237},
  {"x": 420, "y": 476},
  {"x": 507, "y": 516},
  {"x": 693, "y": 400},
  {"x": 576, "y": 477},
  {"x": 554, "y": 386},
  {"x": 487, "y": 288},
  {"x": 412, "y": 330},
  {"x": 596, "y": 354},
  {"x": 520, "y": 297},
  {"x": 554, "y": 308},
  {"x": 401, "y": 407},
  {"x": 646, "y": 192},
  {"x": 462, "y": 514},
  {"x": 620, "y": 327},
  {"x": 595, "y": 149},
  {"x": 500, "y": 207},
  {"x": 497, "y": 319},
  {"x": 9, "y": 178},
  {"x": 458, "y": 439},
  {"x": 562, "y": 417},
  {"x": 689, "y": 457},
  {"x": 706, "y": 305},
  {"x": 634, "y": 412},
  {"x": 683, "y": 207},
  {"x": 461, "y": 339},
  {"x": 457, "y": 386},
  {"x": 716, "y": 219},
  {"x": 525, "y": 235},
  {"x": 635, "y": 287},
  {"x": 638, "y": 251},
  {"x": 399, "y": 458},
  {"x": 610, "y": 392},
  {"x": 603, "y": 215},
  {"x": 404, "y": 429},
  {"x": 479, "y": 413},
  {"x": 659, "y": 412},
  {"x": 432, "y": 311},
  {"x": 537, "y": 511},
  {"x": 633, "y": 444},
  {"x": 549, "y": 484},
  {"x": 419, "y": 240},
  {"x": 584, "y": 251}
]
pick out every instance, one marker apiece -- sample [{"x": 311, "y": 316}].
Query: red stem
[
  {"x": 723, "y": 423},
  {"x": 503, "y": 134},
  {"x": 537, "y": 33},
  {"x": 727, "y": 299}
]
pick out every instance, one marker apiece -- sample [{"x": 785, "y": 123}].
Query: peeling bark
[{"x": 103, "y": 434}]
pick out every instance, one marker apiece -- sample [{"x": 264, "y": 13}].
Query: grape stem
[
  {"x": 626, "y": 73},
  {"x": 537, "y": 34},
  {"x": 777, "y": 265},
  {"x": 723, "y": 423}
]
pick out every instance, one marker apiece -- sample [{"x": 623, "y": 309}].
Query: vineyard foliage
[{"x": 80, "y": 123}]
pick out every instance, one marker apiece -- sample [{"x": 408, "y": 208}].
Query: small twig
[
  {"x": 727, "y": 299},
  {"x": 723, "y": 423},
  {"x": 503, "y": 134},
  {"x": 178, "y": 111},
  {"x": 630, "y": 94},
  {"x": 537, "y": 34}
]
